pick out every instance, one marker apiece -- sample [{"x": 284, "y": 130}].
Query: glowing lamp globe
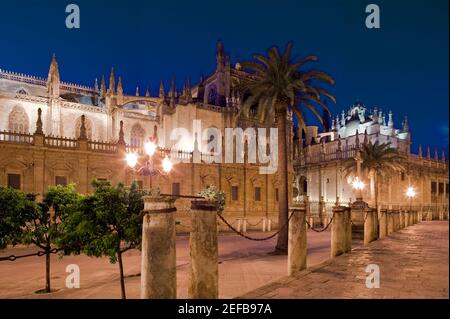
[
  {"x": 131, "y": 159},
  {"x": 410, "y": 192},
  {"x": 167, "y": 165},
  {"x": 150, "y": 148},
  {"x": 358, "y": 184}
]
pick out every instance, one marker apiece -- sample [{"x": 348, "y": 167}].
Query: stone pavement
[
  {"x": 413, "y": 263},
  {"x": 243, "y": 266}
]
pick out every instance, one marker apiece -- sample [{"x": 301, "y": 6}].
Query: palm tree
[
  {"x": 376, "y": 160},
  {"x": 274, "y": 86}
]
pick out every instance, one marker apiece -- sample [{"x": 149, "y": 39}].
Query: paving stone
[{"x": 413, "y": 263}]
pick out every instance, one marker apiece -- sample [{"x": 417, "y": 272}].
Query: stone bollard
[
  {"x": 338, "y": 232},
  {"x": 297, "y": 250},
  {"x": 406, "y": 218},
  {"x": 401, "y": 216},
  {"x": 383, "y": 223},
  {"x": 348, "y": 229},
  {"x": 390, "y": 222},
  {"x": 396, "y": 220},
  {"x": 369, "y": 232},
  {"x": 204, "y": 256},
  {"x": 158, "y": 257}
]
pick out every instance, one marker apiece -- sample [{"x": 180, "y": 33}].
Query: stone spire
[
  {"x": 375, "y": 115},
  {"x": 147, "y": 92},
  {"x": 172, "y": 93},
  {"x": 39, "y": 123},
  {"x": 162, "y": 94},
  {"x": 380, "y": 117},
  {"x": 343, "y": 118},
  {"x": 103, "y": 87},
  {"x": 420, "y": 151},
  {"x": 53, "y": 78},
  {"x": 443, "y": 156},
  {"x": 337, "y": 123},
  {"x": 96, "y": 85},
  {"x": 391, "y": 120},
  {"x": 137, "y": 90},
  {"x": 119, "y": 86},
  {"x": 405, "y": 125},
  {"x": 366, "y": 137},
  {"x": 121, "y": 140},
  {"x": 428, "y": 153},
  {"x": 219, "y": 56},
  {"x": 112, "y": 82},
  {"x": 83, "y": 134},
  {"x": 187, "y": 87},
  {"x": 436, "y": 157}
]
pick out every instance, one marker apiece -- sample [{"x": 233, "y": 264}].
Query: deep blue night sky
[{"x": 401, "y": 67}]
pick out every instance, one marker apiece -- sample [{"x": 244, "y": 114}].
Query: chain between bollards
[
  {"x": 320, "y": 230},
  {"x": 39, "y": 254},
  {"x": 252, "y": 238}
]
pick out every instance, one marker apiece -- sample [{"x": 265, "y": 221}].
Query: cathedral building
[{"x": 53, "y": 132}]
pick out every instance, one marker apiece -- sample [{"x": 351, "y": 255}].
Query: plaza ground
[
  {"x": 244, "y": 265},
  {"x": 413, "y": 263}
]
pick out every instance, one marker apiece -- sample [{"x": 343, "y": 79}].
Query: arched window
[
  {"x": 137, "y": 135},
  {"x": 87, "y": 125},
  {"x": 18, "y": 120}
]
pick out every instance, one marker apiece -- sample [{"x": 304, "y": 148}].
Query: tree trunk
[
  {"x": 283, "y": 201},
  {"x": 122, "y": 279},
  {"x": 377, "y": 222},
  {"x": 47, "y": 270}
]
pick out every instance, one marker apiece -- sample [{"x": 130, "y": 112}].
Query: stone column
[
  {"x": 204, "y": 256},
  {"x": 383, "y": 223},
  {"x": 369, "y": 226},
  {"x": 348, "y": 229},
  {"x": 390, "y": 222},
  {"x": 297, "y": 240},
  {"x": 158, "y": 259},
  {"x": 338, "y": 229}
]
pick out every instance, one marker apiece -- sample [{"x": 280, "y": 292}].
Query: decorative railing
[
  {"x": 60, "y": 142},
  {"x": 24, "y": 78},
  {"x": 99, "y": 146},
  {"x": 16, "y": 137}
]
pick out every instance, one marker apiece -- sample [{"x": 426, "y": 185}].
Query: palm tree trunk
[
  {"x": 283, "y": 202},
  {"x": 376, "y": 205},
  {"x": 122, "y": 279}
]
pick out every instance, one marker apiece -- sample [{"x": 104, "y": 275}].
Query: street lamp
[
  {"x": 411, "y": 193},
  {"x": 149, "y": 168},
  {"x": 359, "y": 186}
]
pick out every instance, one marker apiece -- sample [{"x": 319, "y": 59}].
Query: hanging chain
[{"x": 252, "y": 238}]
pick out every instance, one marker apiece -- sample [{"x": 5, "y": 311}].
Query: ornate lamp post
[
  {"x": 149, "y": 168},
  {"x": 358, "y": 185}
]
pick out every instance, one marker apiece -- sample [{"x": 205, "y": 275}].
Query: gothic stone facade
[{"x": 32, "y": 160}]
